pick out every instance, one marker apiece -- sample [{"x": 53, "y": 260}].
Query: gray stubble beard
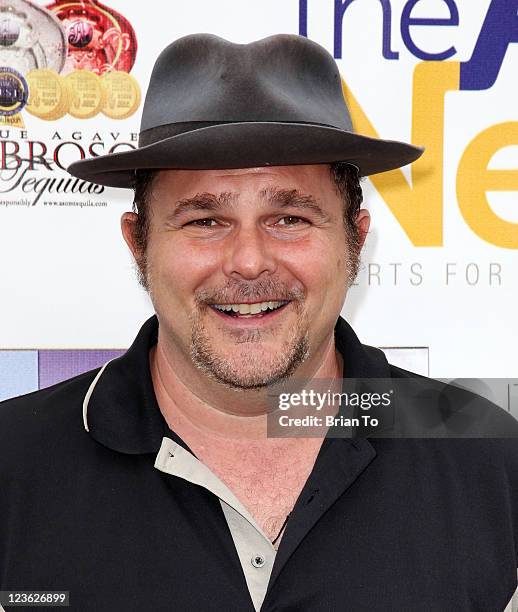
[{"x": 205, "y": 357}]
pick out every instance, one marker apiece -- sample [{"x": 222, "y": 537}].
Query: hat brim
[{"x": 248, "y": 145}]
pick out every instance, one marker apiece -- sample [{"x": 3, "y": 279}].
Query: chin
[{"x": 247, "y": 380}]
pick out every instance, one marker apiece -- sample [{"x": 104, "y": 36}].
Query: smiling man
[
  {"x": 152, "y": 483},
  {"x": 239, "y": 266}
]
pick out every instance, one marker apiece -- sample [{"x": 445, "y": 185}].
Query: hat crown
[{"x": 282, "y": 78}]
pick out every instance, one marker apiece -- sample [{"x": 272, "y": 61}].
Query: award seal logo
[
  {"x": 122, "y": 94},
  {"x": 87, "y": 94},
  {"x": 99, "y": 38},
  {"x": 14, "y": 92},
  {"x": 80, "y": 33},
  {"x": 30, "y": 37},
  {"x": 49, "y": 98}
]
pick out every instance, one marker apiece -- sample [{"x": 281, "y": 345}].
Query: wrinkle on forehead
[{"x": 283, "y": 184}]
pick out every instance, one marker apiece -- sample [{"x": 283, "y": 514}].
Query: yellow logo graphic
[
  {"x": 82, "y": 94},
  {"x": 419, "y": 208},
  {"x": 49, "y": 97},
  {"x": 122, "y": 94}
]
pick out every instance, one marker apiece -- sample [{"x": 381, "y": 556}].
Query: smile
[{"x": 256, "y": 310}]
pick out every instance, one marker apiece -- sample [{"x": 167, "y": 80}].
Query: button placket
[{"x": 254, "y": 549}]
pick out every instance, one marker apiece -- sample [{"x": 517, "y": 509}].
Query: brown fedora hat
[{"x": 213, "y": 104}]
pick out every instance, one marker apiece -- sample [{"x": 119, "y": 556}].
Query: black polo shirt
[{"x": 381, "y": 524}]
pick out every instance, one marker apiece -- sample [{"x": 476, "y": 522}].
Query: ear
[
  {"x": 363, "y": 221},
  {"x": 128, "y": 223}
]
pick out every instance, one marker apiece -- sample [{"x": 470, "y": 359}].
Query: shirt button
[{"x": 258, "y": 561}]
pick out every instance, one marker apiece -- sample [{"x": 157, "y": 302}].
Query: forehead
[{"x": 313, "y": 179}]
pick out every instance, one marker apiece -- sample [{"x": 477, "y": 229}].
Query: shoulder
[{"x": 31, "y": 423}]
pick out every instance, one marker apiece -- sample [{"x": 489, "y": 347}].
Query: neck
[{"x": 198, "y": 406}]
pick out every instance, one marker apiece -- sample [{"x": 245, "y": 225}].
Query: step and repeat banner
[{"x": 438, "y": 285}]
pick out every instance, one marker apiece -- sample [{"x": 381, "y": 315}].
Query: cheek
[
  {"x": 178, "y": 269},
  {"x": 332, "y": 280},
  {"x": 319, "y": 265}
]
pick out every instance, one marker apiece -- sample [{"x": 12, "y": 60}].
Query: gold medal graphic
[
  {"x": 86, "y": 94},
  {"x": 122, "y": 94},
  {"x": 48, "y": 95}
]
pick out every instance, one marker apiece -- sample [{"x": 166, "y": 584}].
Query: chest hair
[{"x": 267, "y": 481}]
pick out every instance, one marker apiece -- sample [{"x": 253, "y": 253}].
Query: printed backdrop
[{"x": 438, "y": 283}]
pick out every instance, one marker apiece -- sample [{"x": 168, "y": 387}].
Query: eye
[
  {"x": 201, "y": 222},
  {"x": 293, "y": 220}
]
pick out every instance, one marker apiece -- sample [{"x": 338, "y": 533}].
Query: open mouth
[{"x": 258, "y": 310}]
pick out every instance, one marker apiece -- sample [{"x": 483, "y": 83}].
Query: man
[{"x": 151, "y": 484}]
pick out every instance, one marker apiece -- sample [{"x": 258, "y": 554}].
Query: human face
[{"x": 246, "y": 237}]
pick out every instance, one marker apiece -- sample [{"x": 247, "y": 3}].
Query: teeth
[{"x": 253, "y": 309}]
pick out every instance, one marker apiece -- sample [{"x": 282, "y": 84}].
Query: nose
[{"x": 249, "y": 254}]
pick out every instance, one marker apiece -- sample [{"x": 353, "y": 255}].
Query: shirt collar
[{"x": 120, "y": 409}]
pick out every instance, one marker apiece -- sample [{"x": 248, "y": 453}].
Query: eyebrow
[
  {"x": 273, "y": 196},
  {"x": 293, "y": 198},
  {"x": 209, "y": 202}
]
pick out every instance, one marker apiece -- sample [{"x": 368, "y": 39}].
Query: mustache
[{"x": 235, "y": 292}]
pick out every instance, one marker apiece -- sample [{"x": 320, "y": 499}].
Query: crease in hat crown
[{"x": 215, "y": 104}]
